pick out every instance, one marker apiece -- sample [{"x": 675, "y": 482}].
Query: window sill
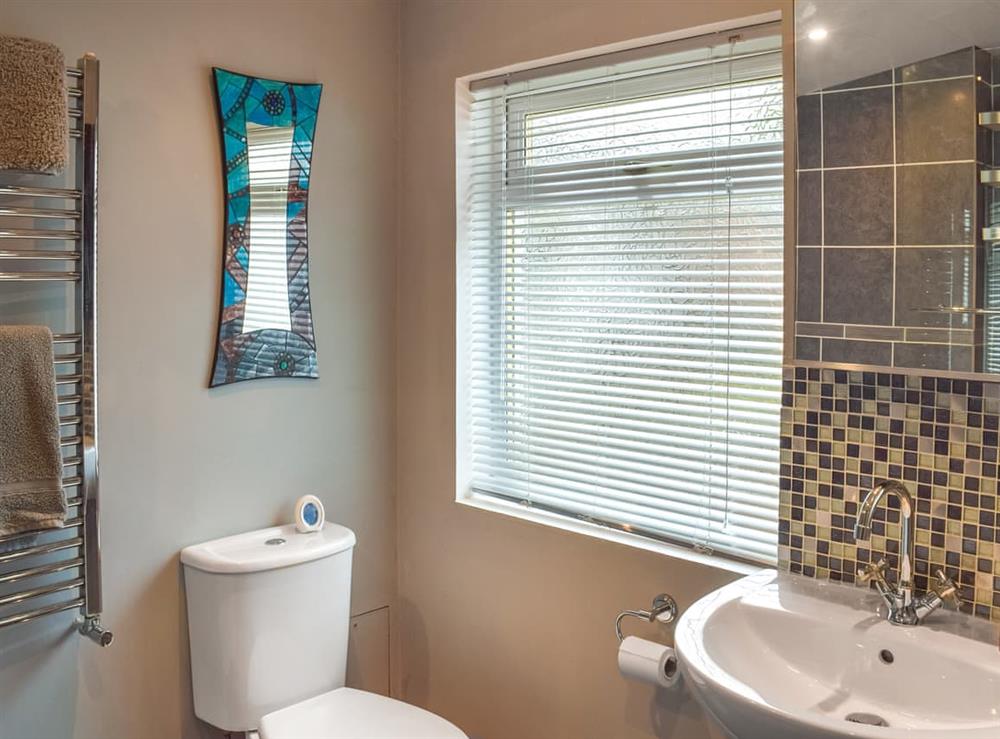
[{"x": 545, "y": 518}]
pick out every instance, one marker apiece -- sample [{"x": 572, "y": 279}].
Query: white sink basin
[{"x": 776, "y": 655}]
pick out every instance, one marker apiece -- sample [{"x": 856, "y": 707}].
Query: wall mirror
[
  {"x": 265, "y": 321},
  {"x": 898, "y": 211}
]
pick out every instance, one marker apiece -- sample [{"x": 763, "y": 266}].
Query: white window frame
[{"x": 464, "y": 494}]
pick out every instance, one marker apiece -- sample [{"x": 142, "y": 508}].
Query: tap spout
[
  {"x": 863, "y": 525},
  {"x": 863, "y": 530}
]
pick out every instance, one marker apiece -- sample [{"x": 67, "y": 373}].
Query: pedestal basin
[{"x": 775, "y": 656}]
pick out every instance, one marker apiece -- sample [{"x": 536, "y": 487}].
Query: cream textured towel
[
  {"x": 31, "y": 495},
  {"x": 33, "y": 128}
]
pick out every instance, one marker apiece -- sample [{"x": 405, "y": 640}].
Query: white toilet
[{"x": 268, "y": 615}]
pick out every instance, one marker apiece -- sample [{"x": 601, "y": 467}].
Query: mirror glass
[
  {"x": 898, "y": 240},
  {"x": 265, "y": 322}
]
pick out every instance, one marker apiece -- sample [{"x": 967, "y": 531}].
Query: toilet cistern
[{"x": 268, "y": 620}]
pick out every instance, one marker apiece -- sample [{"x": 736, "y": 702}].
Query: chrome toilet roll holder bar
[{"x": 663, "y": 610}]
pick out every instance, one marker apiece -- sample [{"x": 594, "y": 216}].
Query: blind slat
[{"x": 620, "y": 295}]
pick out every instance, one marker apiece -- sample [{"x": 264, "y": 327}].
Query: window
[{"x": 620, "y": 262}]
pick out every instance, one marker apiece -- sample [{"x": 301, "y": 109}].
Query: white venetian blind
[{"x": 620, "y": 290}]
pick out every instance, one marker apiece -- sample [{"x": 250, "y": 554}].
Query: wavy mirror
[
  {"x": 898, "y": 248},
  {"x": 265, "y": 319}
]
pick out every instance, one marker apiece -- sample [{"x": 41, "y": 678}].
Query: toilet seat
[{"x": 346, "y": 713}]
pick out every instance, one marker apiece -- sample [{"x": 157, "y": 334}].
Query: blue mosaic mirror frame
[{"x": 265, "y": 318}]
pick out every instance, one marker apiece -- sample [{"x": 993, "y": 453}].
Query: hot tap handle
[{"x": 946, "y": 589}]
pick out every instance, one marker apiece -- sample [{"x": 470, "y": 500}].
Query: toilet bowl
[
  {"x": 268, "y": 620},
  {"x": 346, "y": 713}
]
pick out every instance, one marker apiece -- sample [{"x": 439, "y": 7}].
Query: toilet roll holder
[{"x": 663, "y": 610}]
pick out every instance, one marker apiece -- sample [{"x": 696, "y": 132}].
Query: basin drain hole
[
  {"x": 886, "y": 657},
  {"x": 868, "y": 719}
]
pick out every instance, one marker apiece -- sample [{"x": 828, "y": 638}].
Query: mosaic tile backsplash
[{"x": 841, "y": 431}]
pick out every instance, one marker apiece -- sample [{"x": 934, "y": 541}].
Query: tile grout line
[
  {"x": 895, "y": 226},
  {"x": 891, "y": 164},
  {"x": 894, "y": 82},
  {"x": 822, "y": 224}
]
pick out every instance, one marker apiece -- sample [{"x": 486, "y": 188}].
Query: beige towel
[
  {"x": 31, "y": 495},
  {"x": 33, "y": 128}
]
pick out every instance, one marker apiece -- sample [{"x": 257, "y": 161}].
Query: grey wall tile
[
  {"x": 952, "y": 64},
  {"x": 940, "y": 336},
  {"x": 879, "y": 78},
  {"x": 808, "y": 122},
  {"x": 807, "y": 349},
  {"x": 835, "y": 330},
  {"x": 875, "y": 333},
  {"x": 935, "y": 121},
  {"x": 854, "y": 351},
  {"x": 808, "y": 284},
  {"x": 857, "y": 206},
  {"x": 984, "y": 136},
  {"x": 927, "y": 277},
  {"x": 984, "y": 65},
  {"x": 809, "y": 204},
  {"x": 857, "y": 127},
  {"x": 857, "y": 286},
  {"x": 936, "y": 204},
  {"x": 934, "y": 356}
]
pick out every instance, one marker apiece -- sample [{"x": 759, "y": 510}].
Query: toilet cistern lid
[
  {"x": 346, "y": 713},
  {"x": 267, "y": 549}
]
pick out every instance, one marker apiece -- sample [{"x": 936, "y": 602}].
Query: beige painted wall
[
  {"x": 182, "y": 464},
  {"x": 505, "y": 626}
]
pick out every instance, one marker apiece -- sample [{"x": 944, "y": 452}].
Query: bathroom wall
[
  {"x": 889, "y": 215},
  {"x": 182, "y": 464},
  {"x": 506, "y": 626}
]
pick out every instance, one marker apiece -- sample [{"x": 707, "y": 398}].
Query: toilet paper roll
[{"x": 648, "y": 662}]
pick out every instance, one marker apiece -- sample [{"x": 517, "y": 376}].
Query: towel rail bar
[
  {"x": 47, "y": 256},
  {"x": 23, "y": 595},
  {"x": 28, "y": 550},
  {"x": 42, "y": 570},
  {"x": 39, "y": 233},
  {"x": 68, "y": 524},
  {"x": 55, "y": 546},
  {"x": 39, "y": 276},
  {"x": 25, "y": 212},
  {"x": 22, "y": 618},
  {"x": 66, "y": 193},
  {"x": 76, "y": 365}
]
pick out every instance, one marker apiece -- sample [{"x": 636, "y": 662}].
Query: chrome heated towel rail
[{"x": 57, "y": 570}]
